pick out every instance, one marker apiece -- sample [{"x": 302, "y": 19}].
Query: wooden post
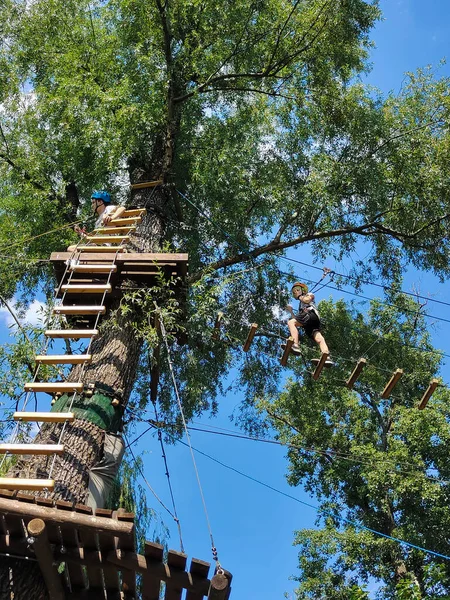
[
  {"x": 219, "y": 588},
  {"x": 250, "y": 337},
  {"x": 287, "y": 350},
  {"x": 429, "y": 392},
  {"x": 37, "y": 530},
  {"x": 356, "y": 373},
  {"x": 320, "y": 365},
  {"x": 391, "y": 383}
]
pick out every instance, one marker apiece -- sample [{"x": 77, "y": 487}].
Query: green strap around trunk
[{"x": 97, "y": 409}]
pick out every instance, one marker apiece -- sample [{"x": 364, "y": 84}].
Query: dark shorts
[{"x": 310, "y": 322}]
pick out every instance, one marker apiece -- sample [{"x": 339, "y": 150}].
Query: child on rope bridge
[
  {"x": 308, "y": 317},
  {"x": 105, "y": 211}
]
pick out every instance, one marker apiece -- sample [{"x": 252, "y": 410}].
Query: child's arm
[{"x": 115, "y": 215}]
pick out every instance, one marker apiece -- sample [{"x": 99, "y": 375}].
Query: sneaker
[
  {"x": 295, "y": 349},
  {"x": 328, "y": 363}
]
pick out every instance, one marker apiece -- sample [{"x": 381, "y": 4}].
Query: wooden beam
[
  {"x": 101, "y": 249},
  {"x": 151, "y": 585},
  {"x": 320, "y": 365},
  {"x": 116, "y": 230},
  {"x": 34, "y": 449},
  {"x": 140, "y": 257},
  {"x": 146, "y": 184},
  {"x": 93, "y": 268},
  {"x": 199, "y": 569},
  {"x": 121, "y": 222},
  {"x": 37, "y": 531},
  {"x": 428, "y": 393},
  {"x": 79, "y": 310},
  {"x": 356, "y": 373},
  {"x": 220, "y": 587},
  {"x": 251, "y": 335},
  {"x": 72, "y": 288},
  {"x": 63, "y": 359},
  {"x": 73, "y": 334},
  {"x": 391, "y": 383},
  {"x": 287, "y": 351},
  {"x": 51, "y": 386},
  {"x": 107, "y": 239},
  {"x": 45, "y": 417},
  {"x": 19, "y": 483}
]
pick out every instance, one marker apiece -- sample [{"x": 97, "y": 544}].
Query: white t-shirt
[{"x": 108, "y": 211}]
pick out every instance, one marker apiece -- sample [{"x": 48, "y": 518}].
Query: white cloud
[{"x": 34, "y": 315}]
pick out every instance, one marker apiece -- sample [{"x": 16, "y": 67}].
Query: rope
[{"x": 180, "y": 406}]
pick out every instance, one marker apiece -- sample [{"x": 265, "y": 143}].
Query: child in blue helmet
[{"x": 105, "y": 211}]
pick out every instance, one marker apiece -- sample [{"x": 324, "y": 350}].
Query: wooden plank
[
  {"x": 107, "y": 543},
  {"x": 63, "y": 359},
  {"x": 37, "y": 531},
  {"x": 68, "y": 537},
  {"x": 89, "y": 543},
  {"x": 49, "y": 386},
  {"x": 116, "y": 230},
  {"x": 73, "y": 288},
  {"x": 428, "y": 393},
  {"x": 177, "y": 562},
  {"x": 391, "y": 383},
  {"x": 79, "y": 310},
  {"x": 134, "y": 212},
  {"x": 146, "y": 184},
  {"x": 17, "y": 483},
  {"x": 151, "y": 584},
  {"x": 106, "y": 268},
  {"x": 34, "y": 449},
  {"x": 72, "y": 334},
  {"x": 45, "y": 417},
  {"x": 320, "y": 365},
  {"x": 287, "y": 351},
  {"x": 356, "y": 373},
  {"x": 199, "y": 570},
  {"x": 251, "y": 335},
  {"x": 127, "y": 544},
  {"x": 107, "y": 239},
  {"x": 139, "y": 257},
  {"x": 126, "y": 221}
]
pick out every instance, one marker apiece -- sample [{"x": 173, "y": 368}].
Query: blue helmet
[{"x": 102, "y": 195}]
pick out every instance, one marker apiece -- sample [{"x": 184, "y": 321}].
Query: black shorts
[{"x": 310, "y": 322}]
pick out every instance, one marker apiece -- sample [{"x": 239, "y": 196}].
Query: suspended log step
[
  {"x": 31, "y": 449},
  {"x": 320, "y": 365},
  {"x": 428, "y": 393},
  {"x": 63, "y": 359},
  {"x": 73, "y": 288},
  {"x": 17, "y": 483},
  {"x": 286, "y": 351},
  {"x": 134, "y": 212},
  {"x": 362, "y": 362},
  {"x": 55, "y": 387},
  {"x": 71, "y": 334},
  {"x": 391, "y": 383},
  {"x": 94, "y": 268},
  {"x": 124, "y": 222},
  {"x": 107, "y": 239},
  {"x": 79, "y": 310},
  {"x": 95, "y": 248},
  {"x": 251, "y": 335},
  {"x": 45, "y": 417},
  {"x": 115, "y": 230}
]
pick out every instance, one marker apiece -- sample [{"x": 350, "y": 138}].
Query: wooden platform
[
  {"x": 98, "y": 553},
  {"x": 137, "y": 267}
]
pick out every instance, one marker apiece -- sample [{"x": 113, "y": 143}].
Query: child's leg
[
  {"x": 293, "y": 324},
  {"x": 320, "y": 340}
]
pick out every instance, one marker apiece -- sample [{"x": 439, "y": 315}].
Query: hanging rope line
[
  {"x": 180, "y": 407},
  {"x": 35, "y": 237}
]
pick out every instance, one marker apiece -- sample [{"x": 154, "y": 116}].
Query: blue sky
[{"x": 252, "y": 525}]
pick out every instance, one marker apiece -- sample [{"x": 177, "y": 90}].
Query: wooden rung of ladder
[
  {"x": 17, "y": 483},
  {"x": 71, "y": 334},
  {"x": 134, "y": 212},
  {"x": 63, "y": 359},
  {"x": 362, "y": 362},
  {"x": 95, "y": 248},
  {"x": 94, "y": 268},
  {"x": 115, "y": 230},
  {"x": 52, "y": 386},
  {"x": 391, "y": 383},
  {"x": 83, "y": 288},
  {"x": 146, "y": 184},
  {"x": 287, "y": 351},
  {"x": 320, "y": 365},
  {"x": 79, "y": 310},
  {"x": 32, "y": 449},
  {"x": 126, "y": 221},
  {"x": 108, "y": 239},
  {"x": 251, "y": 335},
  {"x": 45, "y": 417},
  {"x": 428, "y": 393}
]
